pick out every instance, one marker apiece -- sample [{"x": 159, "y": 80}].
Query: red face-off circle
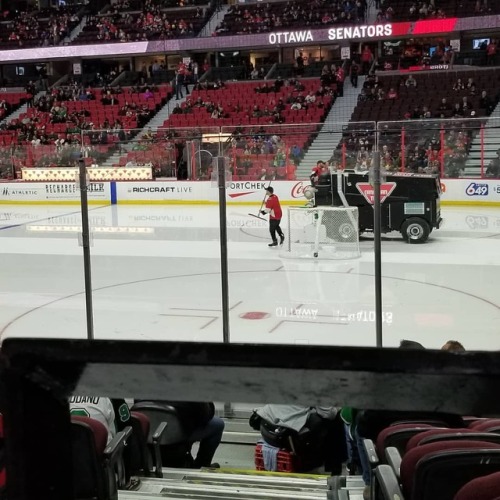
[{"x": 254, "y": 315}]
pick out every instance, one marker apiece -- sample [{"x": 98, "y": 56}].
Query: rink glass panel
[
  {"x": 156, "y": 267},
  {"x": 41, "y": 276}
]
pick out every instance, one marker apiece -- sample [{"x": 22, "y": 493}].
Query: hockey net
[{"x": 322, "y": 233}]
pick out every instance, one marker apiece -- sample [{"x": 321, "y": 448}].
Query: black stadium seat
[{"x": 96, "y": 464}]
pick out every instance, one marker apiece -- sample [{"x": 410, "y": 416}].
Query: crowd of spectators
[
  {"x": 37, "y": 28},
  {"x": 439, "y": 147},
  {"x": 261, "y": 18},
  {"x": 414, "y": 10},
  {"x": 151, "y": 23},
  {"x": 464, "y": 98}
]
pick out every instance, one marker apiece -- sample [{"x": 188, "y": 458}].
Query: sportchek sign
[{"x": 367, "y": 190}]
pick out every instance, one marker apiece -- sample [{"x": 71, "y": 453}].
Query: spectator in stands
[
  {"x": 453, "y": 346},
  {"x": 98, "y": 408},
  {"x": 486, "y": 103},
  {"x": 366, "y": 59},
  {"x": 340, "y": 77},
  {"x": 179, "y": 82},
  {"x": 491, "y": 52},
  {"x": 354, "y": 73},
  {"x": 459, "y": 85},
  {"x": 411, "y": 82},
  {"x": 199, "y": 422},
  {"x": 310, "y": 98},
  {"x": 458, "y": 111},
  {"x": 300, "y": 64},
  {"x": 392, "y": 94}
]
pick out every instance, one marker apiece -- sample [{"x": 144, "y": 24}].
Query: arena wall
[{"x": 455, "y": 192}]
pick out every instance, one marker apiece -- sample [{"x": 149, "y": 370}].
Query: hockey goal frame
[{"x": 322, "y": 232}]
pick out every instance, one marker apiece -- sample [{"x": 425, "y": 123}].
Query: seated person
[
  {"x": 200, "y": 424},
  {"x": 100, "y": 409}
]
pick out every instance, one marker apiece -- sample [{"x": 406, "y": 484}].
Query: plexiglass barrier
[{"x": 156, "y": 252}]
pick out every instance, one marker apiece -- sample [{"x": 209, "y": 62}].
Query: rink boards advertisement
[
  {"x": 52, "y": 192},
  {"x": 176, "y": 192},
  {"x": 454, "y": 191}
]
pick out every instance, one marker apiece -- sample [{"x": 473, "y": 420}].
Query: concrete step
[
  {"x": 237, "y": 424},
  {"x": 234, "y": 437}
]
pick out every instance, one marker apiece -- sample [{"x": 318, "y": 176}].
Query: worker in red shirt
[
  {"x": 273, "y": 208},
  {"x": 320, "y": 169}
]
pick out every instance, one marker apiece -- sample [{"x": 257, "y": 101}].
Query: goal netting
[{"x": 322, "y": 232}]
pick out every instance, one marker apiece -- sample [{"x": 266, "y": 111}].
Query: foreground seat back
[
  {"x": 487, "y": 437},
  {"x": 397, "y": 436},
  {"x": 481, "y": 488},
  {"x": 430, "y": 433},
  {"x": 174, "y": 446},
  {"x": 487, "y": 425},
  {"x": 88, "y": 440},
  {"x": 137, "y": 456},
  {"x": 437, "y": 471},
  {"x": 158, "y": 413}
]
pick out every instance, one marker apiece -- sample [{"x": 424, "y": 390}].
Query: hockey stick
[{"x": 261, "y": 205}]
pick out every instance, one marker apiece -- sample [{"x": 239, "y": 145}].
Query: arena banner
[
  {"x": 52, "y": 193},
  {"x": 454, "y": 191}
]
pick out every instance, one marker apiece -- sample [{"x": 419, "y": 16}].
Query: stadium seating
[
  {"x": 238, "y": 101},
  {"x": 95, "y": 461},
  {"x": 398, "y": 436},
  {"x": 184, "y": 22},
  {"x": 276, "y": 16},
  {"x": 487, "y": 425},
  {"x": 424, "y": 468},
  {"x": 401, "y": 10},
  {"x": 28, "y": 29},
  {"x": 61, "y": 135},
  {"x": 174, "y": 449},
  {"x": 481, "y": 488}
]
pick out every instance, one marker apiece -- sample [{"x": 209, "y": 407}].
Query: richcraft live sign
[{"x": 343, "y": 33}]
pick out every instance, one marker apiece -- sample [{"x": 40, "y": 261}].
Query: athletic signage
[
  {"x": 51, "y": 191},
  {"x": 367, "y": 190}
]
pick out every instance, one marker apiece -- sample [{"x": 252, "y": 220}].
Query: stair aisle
[
  {"x": 330, "y": 133},
  {"x": 153, "y": 124},
  {"x": 491, "y": 145}
]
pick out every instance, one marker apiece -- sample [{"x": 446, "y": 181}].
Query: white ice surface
[{"x": 156, "y": 276}]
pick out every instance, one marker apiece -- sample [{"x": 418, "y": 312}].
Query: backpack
[{"x": 307, "y": 443}]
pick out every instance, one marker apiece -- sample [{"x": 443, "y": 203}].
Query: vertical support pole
[
  {"x": 192, "y": 159},
  {"x": 235, "y": 165},
  {"x": 481, "y": 132},
  {"x": 221, "y": 174},
  {"x": 86, "y": 249},
  {"x": 343, "y": 155},
  {"x": 441, "y": 151},
  {"x": 378, "y": 247},
  {"x": 403, "y": 149}
]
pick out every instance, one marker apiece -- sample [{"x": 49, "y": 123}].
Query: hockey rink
[{"x": 156, "y": 276}]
